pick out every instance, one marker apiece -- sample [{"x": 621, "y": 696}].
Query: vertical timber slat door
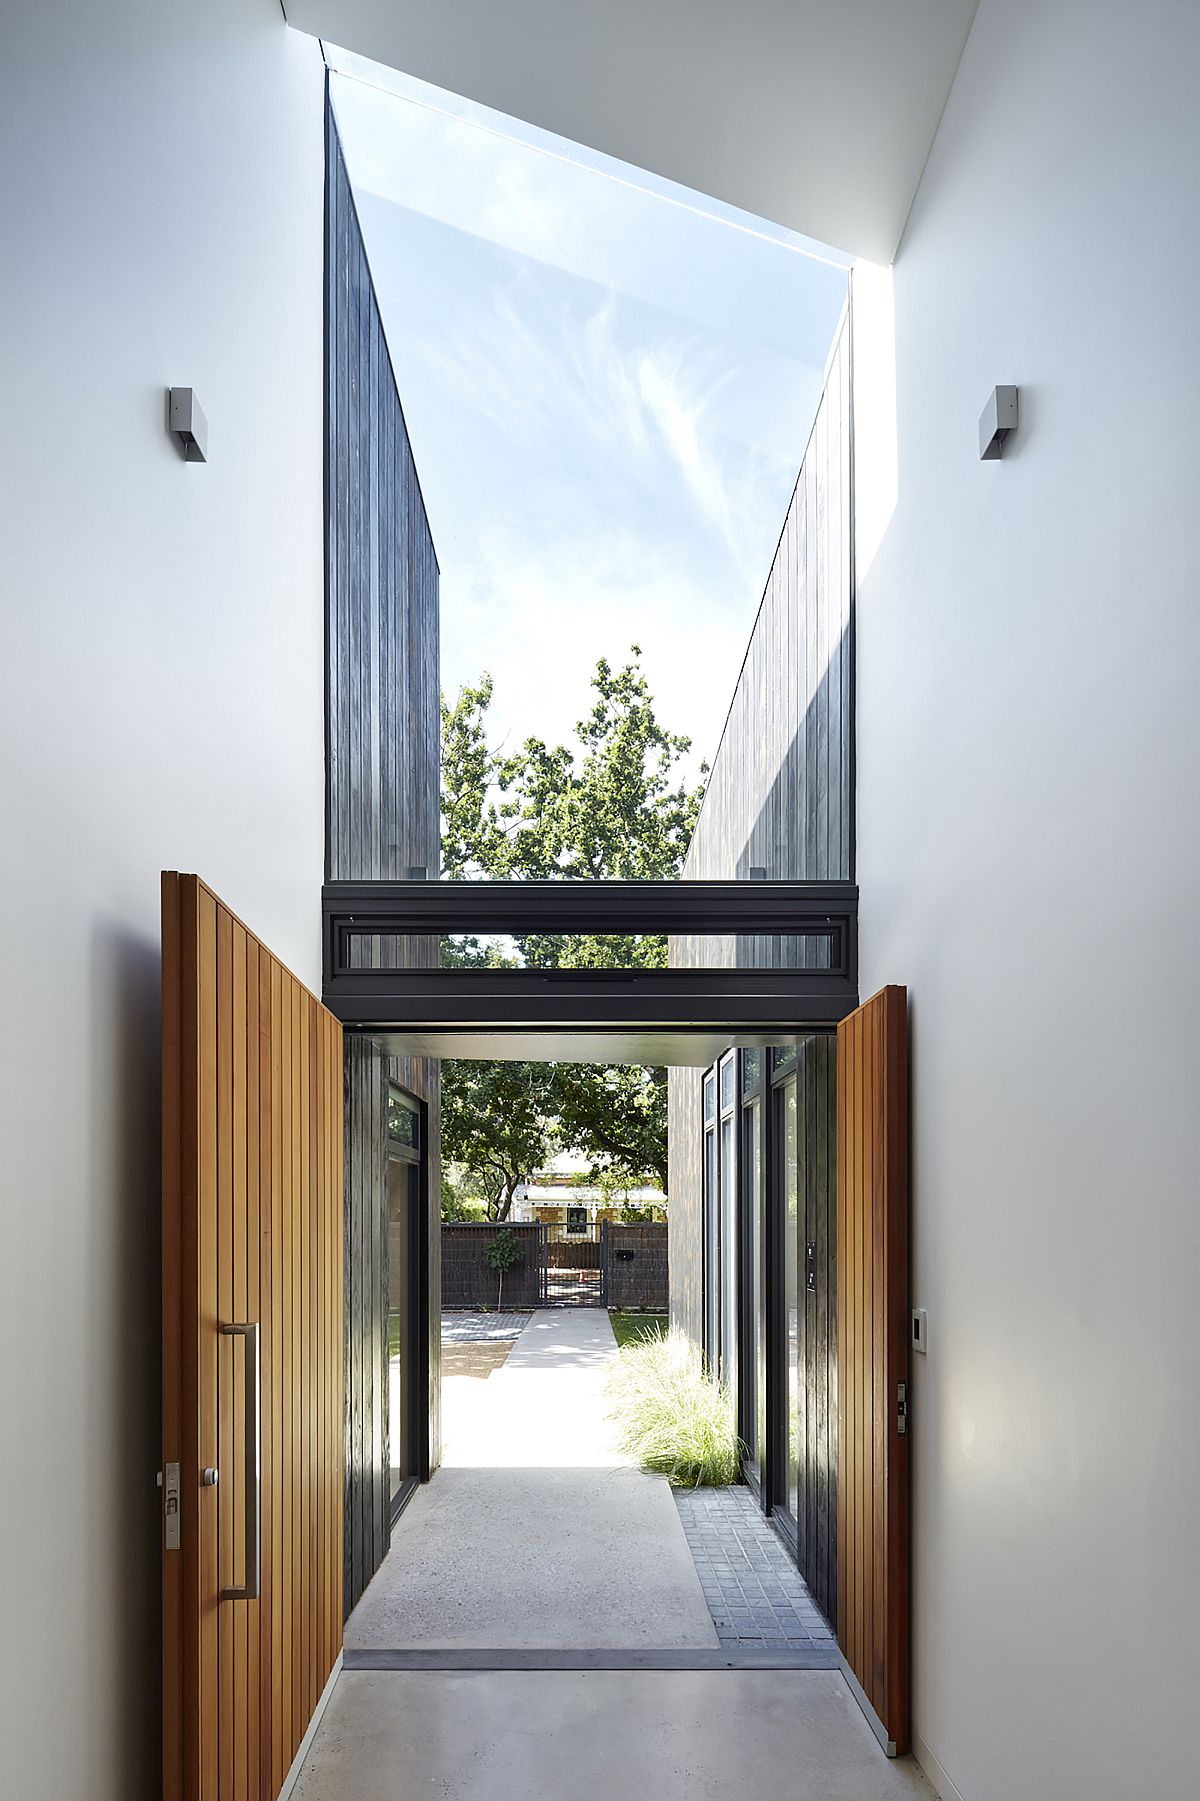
[
  {"x": 872, "y": 1361},
  {"x": 252, "y": 1208}
]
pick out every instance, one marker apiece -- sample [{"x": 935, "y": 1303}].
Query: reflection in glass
[
  {"x": 790, "y": 1196},
  {"x": 756, "y": 1409},
  {"x": 711, "y": 1291},
  {"x": 402, "y": 1120},
  {"x": 728, "y": 1256},
  {"x": 403, "y": 1201},
  {"x": 727, "y": 1069}
]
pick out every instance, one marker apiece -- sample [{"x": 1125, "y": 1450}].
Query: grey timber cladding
[
  {"x": 382, "y": 806},
  {"x": 781, "y": 793},
  {"x": 383, "y": 718}
]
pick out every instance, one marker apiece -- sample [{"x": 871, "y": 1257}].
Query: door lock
[
  {"x": 901, "y": 1408},
  {"x": 170, "y": 1488}
]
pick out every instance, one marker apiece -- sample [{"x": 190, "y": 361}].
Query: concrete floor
[
  {"x": 792, "y": 1735},
  {"x": 537, "y": 1533}
]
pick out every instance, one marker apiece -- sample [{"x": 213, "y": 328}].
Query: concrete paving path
[{"x": 537, "y": 1533}]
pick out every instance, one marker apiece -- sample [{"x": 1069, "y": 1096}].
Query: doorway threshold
[{"x": 506, "y": 1658}]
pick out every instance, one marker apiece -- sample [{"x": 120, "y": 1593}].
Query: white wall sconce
[
  {"x": 188, "y": 426},
  {"x": 997, "y": 419}
]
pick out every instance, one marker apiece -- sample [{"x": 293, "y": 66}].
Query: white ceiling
[{"x": 816, "y": 114}]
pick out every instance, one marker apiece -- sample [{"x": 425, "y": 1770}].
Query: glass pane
[
  {"x": 755, "y": 1424},
  {"x": 751, "y": 1071},
  {"x": 728, "y": 1256},
  {"x": 809, "y": 946},
  {"x": 403, "y": 1190},
  {"x": 727, "y": 1071},
  {"x": 403, "y": 1120},
  {"x": 791, "y": 1316},
  {"x": 711, "y": 1291},
  {"x": 709, "y": 1097},
  {"x": 783, "y": 1057}
]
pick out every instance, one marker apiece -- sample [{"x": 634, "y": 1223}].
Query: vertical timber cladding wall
[
  {"x": 781, "y": 798},
  {"x": 382, "y": 778}
]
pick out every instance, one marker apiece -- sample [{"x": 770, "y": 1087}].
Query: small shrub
[
  {"x": 501, "y": 1254},
  {"x": 673, "y": 1420}
]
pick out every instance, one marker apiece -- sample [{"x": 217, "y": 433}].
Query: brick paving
[{"x": 756, "y": 1596}]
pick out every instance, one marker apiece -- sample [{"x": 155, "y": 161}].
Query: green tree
[
  {"x": 472, "y": 842},
  {"x": 464, "y": 1197},
  {"x": 611, "y": 806},
  {"x": 615, "y": 1115},
  {"x": 498, "y": 1125}
]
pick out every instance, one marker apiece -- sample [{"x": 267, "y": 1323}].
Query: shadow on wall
[{"x": 122, "y": 1342}]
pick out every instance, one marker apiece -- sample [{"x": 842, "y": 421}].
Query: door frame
[{"x": 416, "y": 1299}]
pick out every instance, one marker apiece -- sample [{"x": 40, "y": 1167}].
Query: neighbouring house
[{"x": 561, "y": 1198}]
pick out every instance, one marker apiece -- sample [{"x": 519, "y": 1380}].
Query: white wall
[
  {"x": 160, "y": 706},
  {"x": 1029, "y": 765}
]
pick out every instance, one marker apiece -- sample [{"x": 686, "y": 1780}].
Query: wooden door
[
  {"x": 252, "y": 1417},
  {"x": 872, "y": 1358}
]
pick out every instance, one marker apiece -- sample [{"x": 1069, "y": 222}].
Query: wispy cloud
[{"x": 640, "y": 401}]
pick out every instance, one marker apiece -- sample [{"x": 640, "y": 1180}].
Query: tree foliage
[
  {"x": 611, "y": 806},
  {"x": 497, "y": 1124}
]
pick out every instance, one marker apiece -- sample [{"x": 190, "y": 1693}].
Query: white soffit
[{"x": 816, "y": 114}]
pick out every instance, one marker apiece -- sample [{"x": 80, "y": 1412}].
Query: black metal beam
[
  {"x": 480, "y": 997},
  {"x": 705, "y": 908},
  {"x": 382, "y": 1000}
]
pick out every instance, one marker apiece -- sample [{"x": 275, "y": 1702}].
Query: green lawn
[{"x": 635, "y": 1328}]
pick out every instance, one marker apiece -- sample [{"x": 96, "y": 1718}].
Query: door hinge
[{"x": 902, "y": 1408}]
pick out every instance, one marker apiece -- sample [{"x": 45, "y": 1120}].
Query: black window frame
[
  {"x": 753, "y": 1345},
  {"x": 415, "y": 1423}
]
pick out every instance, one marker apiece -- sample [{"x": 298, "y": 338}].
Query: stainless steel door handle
[{"x": 253, "y": 1460}]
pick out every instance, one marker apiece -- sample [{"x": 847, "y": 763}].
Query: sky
[{"x": 608, "y": 384}]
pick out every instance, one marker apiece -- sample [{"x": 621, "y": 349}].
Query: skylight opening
[{"x": 609, "y": 383}]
